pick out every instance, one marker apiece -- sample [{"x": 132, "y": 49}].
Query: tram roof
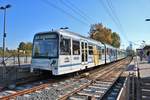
[{"x": 64, "y": 31}]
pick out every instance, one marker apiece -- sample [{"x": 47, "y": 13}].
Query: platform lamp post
[
  {"x": 4, "y": 8},
  {"x": 147, "y": 19}
]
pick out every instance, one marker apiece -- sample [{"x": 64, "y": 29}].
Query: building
[{"x": 146, "y": 48}]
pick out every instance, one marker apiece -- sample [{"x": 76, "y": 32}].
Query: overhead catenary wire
[
  {"x": 108, "y": 12},
  {"x": 112, "y": 16},
  {"x": 74, "y": 11},
  {"x": 85, "y": 18},
  {"x": 110, "y": 5},
  {"x": 112, "y": 13},
  {"x": 112, "y": 9},
  {"x": 80, "y": 10},
  {"x": 49, "y": 3}
]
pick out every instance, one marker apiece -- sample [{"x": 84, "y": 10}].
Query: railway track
[
  {"x": 113, "y": 93},
  {"x": 97, "y": 87},
  {"x": 93, "y": 86}
]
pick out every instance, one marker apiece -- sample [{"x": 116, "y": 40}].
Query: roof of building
[{"x": 147, "y": 47}]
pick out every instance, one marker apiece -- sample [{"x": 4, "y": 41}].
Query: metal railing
[
  {"x": 131, "y": 88},
  {"x": 15, "y": 60},
  {"x": 9, "y": 69}
]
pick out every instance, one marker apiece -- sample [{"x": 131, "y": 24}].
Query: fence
[
  {"x": 15, "y": 60},
  {"x": 131, "y": 88}
]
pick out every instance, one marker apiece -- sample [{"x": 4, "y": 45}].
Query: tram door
[
  {"x": 84, "y": 52},
  {"x": 96, "y": 54}
]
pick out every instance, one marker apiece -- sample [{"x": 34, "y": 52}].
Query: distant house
[{"x": 146, "y": 48}]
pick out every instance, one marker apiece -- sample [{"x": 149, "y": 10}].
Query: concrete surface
[
  {"x": 9, "y": 74},
  {"x": 144, "y": 69}
]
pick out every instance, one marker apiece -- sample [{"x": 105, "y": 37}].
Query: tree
[
  {"x": 105, "y": 35},
  {"x": 115, "y": 40},
  {"x": 100, "y": 33},
  {"x": 26, "y": 47},
  {"x": 22, "y": 46}
]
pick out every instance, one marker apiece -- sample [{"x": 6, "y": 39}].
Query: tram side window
[
  {"x": 110, "y": 51},
  {"x": 99, "y": 52},
  {"x": 90, "y": 50},
  {"x": 65, "y": 47},
  {"x": 107, "y": 51},
  {"x": 113, "y": 53},
  {"x": 103, "y": 51},
  {"x": 76, "y": 47}
]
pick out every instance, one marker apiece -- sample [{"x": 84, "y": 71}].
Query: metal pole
[
  {"x": 4, "y": 32},
  {"x": 18, "y": 58},
  {"x": 4, "y": 37},
  {"x": 105, "y": 53}
]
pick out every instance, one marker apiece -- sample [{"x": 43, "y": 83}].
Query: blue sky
[{"x": 26, "y": 17}]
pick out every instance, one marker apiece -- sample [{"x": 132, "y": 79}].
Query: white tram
[{"x": 64, "y": 52}]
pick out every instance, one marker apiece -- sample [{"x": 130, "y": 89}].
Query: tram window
[
  {"x": 90, "y": 47},
  {"x": 90, "y": 50},
  {"x": 65, "y": 47},
  {"x": 76, "y": 47},
  {"x": 82, "y": 45},
  {"x": 112, "y": 52},
  {"x": 103, "y": 51},
  {"x": 108, "y": 51},
  {"x": 99, "y": 48},
  {"x": 99, "y": 52},
  {"x": 85, "y": 45}
]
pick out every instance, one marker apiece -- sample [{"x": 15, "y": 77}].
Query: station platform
[{"x": 144, "y": 70}]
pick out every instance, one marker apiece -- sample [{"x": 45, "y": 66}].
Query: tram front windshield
[{"x": 45, "y": 47}]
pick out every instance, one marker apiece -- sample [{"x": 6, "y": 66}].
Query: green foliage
[
  {"x": 28, "y": 46},
  {"x": 115, "y": 40},
  {"x": 22, "y": 46},
  {"x": 105, "y": 35},
  {"x": 8, "y": 53},
  {"x": 25, "y": 48}
]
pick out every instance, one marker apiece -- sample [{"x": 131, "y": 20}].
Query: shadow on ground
[{"x": 131, "y": 68}]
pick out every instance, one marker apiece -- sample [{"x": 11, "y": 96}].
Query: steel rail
[
  {"x": 43, "y": 86},
  {"x": 105, "y": 73}
]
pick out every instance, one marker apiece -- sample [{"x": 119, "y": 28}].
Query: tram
[{"x": 63, "y": 52}]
